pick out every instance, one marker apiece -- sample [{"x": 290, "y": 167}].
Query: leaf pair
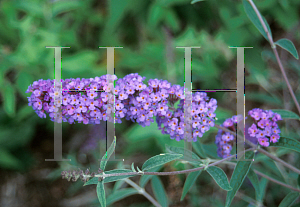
[
  {"x": 284, "y": 43},
  {"x": 100, "y": 184}
]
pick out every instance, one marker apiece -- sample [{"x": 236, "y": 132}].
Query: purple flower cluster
[
  {"x": 91, "y": 100},
  {"x": 80, "y": 99},
  {"x": 264, "y": 128},
  {"x": 143, "y": 103},
  {"x": 202, "y": 115},
  {"x": 224, "y": 140}
]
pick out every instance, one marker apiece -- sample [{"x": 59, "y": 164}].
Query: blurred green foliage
[{"x": 149, "y": 32}]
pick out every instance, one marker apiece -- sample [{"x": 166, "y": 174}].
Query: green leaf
[
  {"x": 159, "y": 160},
  {"x": 219, "y": 176},
  {"x": 101, "y": 193},
  {"x": 145, "y": 178},
  {"x": 9, "y": 100},
  {"x": 195, "y": 1},
  {"x": 289, "y": 46},
  {"x": 132, "y": 167},
  {"x": 120, "y": 194},
  {"x": 189, "y": 182},
  {"x": 159, "y": 191},
  {"x": 64, "y": 6},
  {"x": 262, "y": 187},
  {"x": 240, "y": 172},
  {"x": 110, "y": 179},
  {"x": 199, "y": 149},
  {"x": 7, "y": 160},
  {"x": 255, "y": 20},
  {"x": 254, "y": 180},
  {"x": 298, "y": 180},
  {"x": 156, "y": 14},
  {"x": 107, "y": 155},
  {"x": 23, "y": 81},
  {"x": 118, "y": 185},
  {"x": 187, "y": 154},
  {"x": 289, "y": 199},
  {"x": 172, "y": 20},
  {"x": 285, "y": 114},
  {"x": 287, "y": 143},
  {"x": 118, "y": 10}
]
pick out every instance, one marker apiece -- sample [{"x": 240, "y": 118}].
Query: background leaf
[
  {"x": 187, "y": 154},
  {"x": 219, "y": 176},
  {"x": 289, "y": 199},
  {"x": 287, "y": 143},
  {"x": 159, "y": 160},
  {"x": 145, "y": 178},
  {"x": 263, "y": 186},
  {"x": 120, "y": 194},
  {"x": 285, "y": 114},
  {"x": 238, "y": 176},
  {"x": 288, "y": 45},
  {"x": 255, "y": 182},
  {"x": 159, "y": 191},
  {"x": 189, "y": 182},
  {"x": 9, "y": 100},
  {"x": 199, "y": 149}
]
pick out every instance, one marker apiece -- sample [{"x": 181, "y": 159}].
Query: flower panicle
[
  {"x": 74, "y": 175},
  {"x": 91, "y": 100},
  {"x": 263, "y": 131}
]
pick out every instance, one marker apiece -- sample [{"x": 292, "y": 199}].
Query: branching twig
[
  {"x": 142, "y": 192},
  {"x": 276, "y": 54},
  {"x": 276, "y": 181},
  {"x": 261, "y": 150},
  {"x": 170, "y": 173},
  {"x": 268, "y": 177}
]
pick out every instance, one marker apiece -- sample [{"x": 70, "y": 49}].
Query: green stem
[
  {"x": 276, "y": 181},
  {"x": 261, "y": 150},
  {"x": 142, "y": 192},
  {"x": 268, "y": 177},
  {"x": 276, "y": 55},
  {"x": 173, "y": 172}
]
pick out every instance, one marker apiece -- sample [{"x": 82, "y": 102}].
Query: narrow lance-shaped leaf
[
  {"x": 107, "y": 155},
  {"x": 289, "y": 46},
  {"x": 120, "y": 194},
  {"x": 289, "y": 199},
  {"x": 195, "y": 1},
  {"x": 285, "y": 114},
  {"x": 219, "y": 176},
  {"x": 199, "y": 149},
  {"x": 101, "y": 193},
  {"x": 240, "y": 172},
  {"x": 9, "y": 100},
  {"x": 110, "y": 179},
  {"x": 189, "y": 182},
  {"x": 263, "y": 186},
  {"x": 159, "y": 191},
  {"x": 254, "y": 180},
  {"x": 187, "y": 154},
  {"x": 255, "y": 20},
  {"x": 159, "y": 160},
  {"x": 117, "y": 186},
  {"x": 287, "y": 143}
]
